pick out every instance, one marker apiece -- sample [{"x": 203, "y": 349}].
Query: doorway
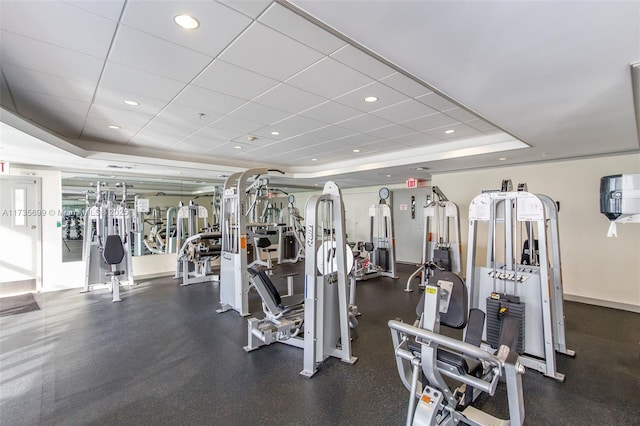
[{"x": 20, "y": 235}]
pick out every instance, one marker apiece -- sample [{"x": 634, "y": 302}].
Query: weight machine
[
  {"x": 620, "y": 200},
  {"x": 103, "y": 220},
  {"x": 529, "y": 289},
  {"x": 290, "y": 234},
  {"x": 319, "y": 322},
  {"x": 424, "y": 357},
  {"x": 195, "y": 258},
  {"x": 239, "y": 203},
  {"x": 188, "y": 226},
  {"x": 441, "y": 239},
  {"x": 380, "y": 259}
]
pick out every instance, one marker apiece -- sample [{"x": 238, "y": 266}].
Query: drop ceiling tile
[
  {"x": 404, "y": 111},
  {"x": 385, "y": 146},
  {"x": 226, "y": 150},
  {"x": 285, "y": 21},
  {"x": 155, "y": 55},
  {"x": 430, "y": 122},
  {"x": 217, "y": 134},
  {"x": 331, "y": 112},
  {"x": 392, "y": 131},
  {"x": 35, "y": 105},
  {"x": 302, "y": 141},
  {"x": 270, "y": 53},
  {"x": 386, "y": 97},
  {"x": 259, "y": 113},
  {"x": 461, "y": 114},
  {"x": 290, "y": 127},
  {"x": 161, "y": 135},
  {"x": 329, "y": 78},
  {"x": 365, "y": 123},
  {"x": 101, "y": 116},
  {"x": 329, "y": 133},
  {"x": 59, "y": 24},
  {"x": 436, "y": 102},
  {"x": 406, "y": 85},
  {"x": 44, "y": 57},
  {"x": 232, "y": 80},
  {"x": 199, "y": 142},
  {"x": 219, "y": 25},
  {"x": 176, "y": 113},
  {"x": 251, "y": 8},
  {"x": 111, "y": 9},
  {"x": 48, "y": 84},
  {"x": 357, "y": 59},
  {"x": 207, "y": 100},
  {"x": 416, "y": 139},
  {"x": 115, "y": 99},
  {"x": 104, "y": 134},
  {"x": 461, "y": 131},
  {"x": 259, "y": 141},
  {"x": 353, "y": 141},
  {"x": 137, "y": 82},
  {"x": 235, "y": 126},
  {"x": 289, "y": 98}
]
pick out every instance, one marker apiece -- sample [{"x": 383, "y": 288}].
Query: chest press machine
[
  {"x": 424, "y": 357},
  {"x": 317, "y": 322},
  {"x": 107, "y": 242}
]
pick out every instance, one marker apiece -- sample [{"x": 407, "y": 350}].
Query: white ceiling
[{"x": 529, "y": 81}]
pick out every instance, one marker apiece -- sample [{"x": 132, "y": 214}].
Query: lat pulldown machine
[
  {"x": 319, "y": 323},
  {"x": 529, "y": 288},
  {"x": 238, "y": 201},
  {"x": 441, "y": 239}
]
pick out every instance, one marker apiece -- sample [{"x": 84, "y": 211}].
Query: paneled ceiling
[{"x": 458, "y": 85}]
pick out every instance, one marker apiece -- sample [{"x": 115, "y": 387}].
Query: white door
[
  {"x": 408, "y": 223},
  {"x": 20, "y": 234}
]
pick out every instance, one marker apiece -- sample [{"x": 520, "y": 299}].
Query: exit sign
[{"x": 416, "y": 183}]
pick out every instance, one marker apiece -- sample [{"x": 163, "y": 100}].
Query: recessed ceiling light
[
  {"x": 275, "y": 133},
  {"x": 187, "y": 22},
  {"x": 113, "y": 127},
  {"x": 237, "y": 147},
  {"x": 371, "y": 99},
  {"x": 131, "y": 103},
  {"x": 314, "y": 159},
  {"x": 356, "y": 150},
  {"x": 448, "y": 132},
  {"x": 388, "y": 175},
  {"x": 502, "y": 158}
]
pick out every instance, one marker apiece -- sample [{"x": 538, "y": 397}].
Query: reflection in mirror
[{"x": 152, "y": 206}]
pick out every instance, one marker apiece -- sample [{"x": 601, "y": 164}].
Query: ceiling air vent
[{"x": 117, "y": 166}]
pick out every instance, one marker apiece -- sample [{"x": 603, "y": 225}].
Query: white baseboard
[{"x": 604, "y": 303}]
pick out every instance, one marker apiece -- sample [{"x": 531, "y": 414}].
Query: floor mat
[{"x": 18, "y": 305}]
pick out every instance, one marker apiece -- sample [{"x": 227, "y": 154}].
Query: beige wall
[{"x": 595, "y": 268}]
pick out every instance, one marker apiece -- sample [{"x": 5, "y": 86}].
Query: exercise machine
[
  {"x": 441, "y": 239},
  {"x": 318, "y": 322},
  {"x": 103, "y": 220},
  {"x": 290, "y": 234},
  {"x": 424, "y": 358},
  {"x": 526, "y": 285},
  {"x": 195, "y": 258},
  {"x": 620, "y": 200},
  {"x": 380, "y": 257},
  {"x": 239, "y": 203}
]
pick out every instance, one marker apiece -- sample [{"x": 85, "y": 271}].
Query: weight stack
[
  {"x": 382, "y": 256},
  {"x": 442, "y": 258},
  {"x": 289, "y": 247},
  {"x": 514, "y": 309}
]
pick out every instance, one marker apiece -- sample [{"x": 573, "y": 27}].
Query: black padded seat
[
  {"x": 282, "y": 302},
  {"x": 113, "y": 253}
]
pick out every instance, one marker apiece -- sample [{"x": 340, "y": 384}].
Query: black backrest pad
[
  {"x": 268, "y": 284},
  {"x": 113, "y": 252},
  {"x": 456, "y": 315}
]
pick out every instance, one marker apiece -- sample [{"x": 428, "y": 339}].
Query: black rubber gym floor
[{"x": 164, "y": 356}]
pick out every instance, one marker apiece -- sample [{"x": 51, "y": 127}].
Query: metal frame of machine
[
  {"x": 537, "y": 285},
  {"x": 324, "y": 320},
  {"x": 237, "y": 203}
]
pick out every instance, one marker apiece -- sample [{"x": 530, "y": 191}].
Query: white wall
[{"x": 595, "y": 269}]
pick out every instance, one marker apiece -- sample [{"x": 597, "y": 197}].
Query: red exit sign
[{"x": 415, "y": 183}]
